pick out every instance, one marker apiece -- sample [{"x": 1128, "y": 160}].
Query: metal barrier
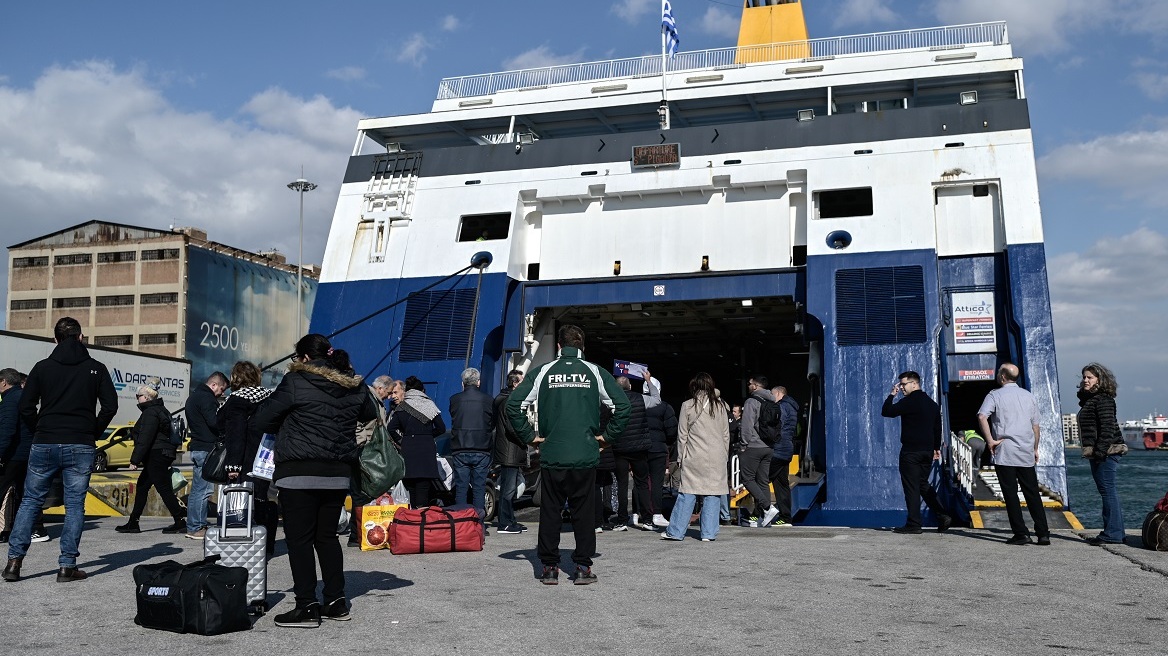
[
  {"x": 961, "y": 462},
  {"x": 954, "y": 36}
]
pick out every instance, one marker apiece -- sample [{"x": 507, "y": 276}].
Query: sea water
[{"x": 1142, "y": 481}]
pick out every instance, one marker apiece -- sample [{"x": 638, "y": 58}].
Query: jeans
[
  {"x": 914, "y": 478},
  {"x": 470, "y": 471},
  {"x": 1104, "y": 472},
  {"x": 200, "y": 492},
  {"x": 1011, "y": 477},
  {"x": 683, "y": 509},
  {"x": 724, "y": 511},
  {"x": 310, "y": 524},
  {"x": 508, "y": 489},
  {"x": 74, "y": 462}
]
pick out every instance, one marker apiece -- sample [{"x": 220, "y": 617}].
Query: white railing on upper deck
[{"x": 926, "y": 38}]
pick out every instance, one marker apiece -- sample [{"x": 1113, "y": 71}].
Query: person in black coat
[
  {"x": 241, "y": 437},
  {"x": 920, "y": 445},
  {"x": 472, "y": 429},
  {"x": 1102, "y": 446},
  {"x": 632, "y": 453},
  {"x": 511, "y": 456},
  {"x": 15, "y": 445},
  {"x": 153, "y": 454},
  {"x": 415, "y": 422},
  {"x": 661, "y": 423},
  {"x": 314, "y": 413}
]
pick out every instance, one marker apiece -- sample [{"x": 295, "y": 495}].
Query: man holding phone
[{"x": 920, "y": 445}]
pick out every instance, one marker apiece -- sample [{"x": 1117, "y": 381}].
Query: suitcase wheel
[{"x": 258, "y": 608}]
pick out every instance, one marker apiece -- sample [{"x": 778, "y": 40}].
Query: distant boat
[{"x": 1150, "y": 433}]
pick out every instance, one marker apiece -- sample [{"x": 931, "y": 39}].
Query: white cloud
[
  {"x": 413, "y": 49},
  {"x": 541, "y": 56},
  {"x": 1153, "y": 85},
  {"x": 632, "y": 10},
  {"x": 347, "y": 73},
  {"x": 94, "y": 142},
  {"x": 1133, "y": 164},
  {"x": 450, "y": 23},
  {"x": 864, "y": 12},
  {"x": 719, "y": 22}
]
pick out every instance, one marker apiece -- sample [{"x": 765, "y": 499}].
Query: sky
[{"x": 198, "y": 114}]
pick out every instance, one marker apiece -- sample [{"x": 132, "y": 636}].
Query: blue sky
[{"x": 198, "y": 114}]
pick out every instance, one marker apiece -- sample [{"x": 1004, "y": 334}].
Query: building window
[
  {"x": 152, "y": 339},
  {"x": 113, "y": 340},
  {"x": 118, "y": 256},
  {"x": 841, "y": 203},
  {"x": 484, "y": 227},
  {"x": 74, "y": 258},
  {"x": 159, "y": 299},
  {"x": 160, "y": 254},
  {"x": 110, "y": 301},
  {"x": 29, "y": 304},
  {"x": 72, "y": 302},
  {"x": 27, "y": 262}
]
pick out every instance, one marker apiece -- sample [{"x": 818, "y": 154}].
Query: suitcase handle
[{"x": 422, "y": 530}]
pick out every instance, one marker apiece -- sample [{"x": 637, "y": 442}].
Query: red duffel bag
[{"x": 435, "y": 530}]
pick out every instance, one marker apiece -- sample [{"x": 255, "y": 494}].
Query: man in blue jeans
[
  {"x": 202, "y": 406},
  {"x": 510, "y": 455},
  {"x": 472, "y": 427},
  {"x": 58, "y": 406}
]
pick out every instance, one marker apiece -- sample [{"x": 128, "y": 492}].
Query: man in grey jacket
[{"x": 755, "y": 459}]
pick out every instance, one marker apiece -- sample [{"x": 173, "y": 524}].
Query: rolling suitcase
[{"x": 240, "y": 543}]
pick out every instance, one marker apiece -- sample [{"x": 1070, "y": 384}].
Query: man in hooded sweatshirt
[{"x": 58, "y": 404}]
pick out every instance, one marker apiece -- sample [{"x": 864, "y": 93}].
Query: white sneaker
[
  {"x": 659, "y": 520},
  {"x": 634, "y": 519},
  {"x": 39, "y": 536},
  {"x": 769, "y": 516}
]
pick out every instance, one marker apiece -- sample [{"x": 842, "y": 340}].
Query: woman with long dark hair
[
  {"x": 154, "y": 454},
  {"x": 314, "y": 414},
  {"x": 1102, "y": 445},
  {"x": 703, "y": 446},
  {"x": 415, "y": 422},
  {"x": 242, "y": 437}
]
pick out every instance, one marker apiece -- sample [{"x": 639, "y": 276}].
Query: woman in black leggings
[{"x": 154, "y": 454}]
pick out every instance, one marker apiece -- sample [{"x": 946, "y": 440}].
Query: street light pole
[{"x": 300, "y": 185}]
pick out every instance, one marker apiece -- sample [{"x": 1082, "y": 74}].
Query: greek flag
[{"x": 669, "y": 28}]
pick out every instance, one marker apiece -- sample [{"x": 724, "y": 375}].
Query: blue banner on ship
[{"x": 240, "y": 310}]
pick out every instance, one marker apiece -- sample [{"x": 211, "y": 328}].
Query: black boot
[
  {"x": 129, "y": 527},
  {"x": 69, "y": 574},
  {"x": 12, "y": 570},
  {"x": 179, "y": 526}
]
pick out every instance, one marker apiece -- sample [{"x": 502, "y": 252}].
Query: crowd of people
[{"x": 593, "y": 432}]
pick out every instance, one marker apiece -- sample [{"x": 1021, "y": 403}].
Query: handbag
[
  {"x": 177, "y": 480},
  {"x": 381, "y": 466},
  {"x": 215, "y": 467},
  {"x": 264, "y": 465}
]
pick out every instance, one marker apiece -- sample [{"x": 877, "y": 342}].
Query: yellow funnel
[{"x": 772, "y": 30}]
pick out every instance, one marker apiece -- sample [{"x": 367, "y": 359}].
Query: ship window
[
  {"x": 484, "y": 227},
  {"x": 840, "y": 203},
  {"x": 880, "y": 305}
]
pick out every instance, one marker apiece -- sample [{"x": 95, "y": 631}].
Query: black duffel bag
[{"x": 203, "y": 597}]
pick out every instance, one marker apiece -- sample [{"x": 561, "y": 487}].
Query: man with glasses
[
  {"x": 58, "y": 404},
  {"x": 920, "y": 445}
]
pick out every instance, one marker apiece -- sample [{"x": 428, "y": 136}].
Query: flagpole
[{"x": 664, "y": 90}]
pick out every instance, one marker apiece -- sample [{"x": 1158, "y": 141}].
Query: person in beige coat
[{"x": 703, "y": 446}]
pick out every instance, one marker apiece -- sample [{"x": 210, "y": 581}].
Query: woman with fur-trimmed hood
[{"x": 314, "y": 414}]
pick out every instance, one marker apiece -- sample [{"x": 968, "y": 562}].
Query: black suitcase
[{"x": 202, "y": 597}]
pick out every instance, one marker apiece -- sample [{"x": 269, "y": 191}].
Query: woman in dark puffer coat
[
  {"x": 314, "y": 414},
  {"x": 154, "y": 454},
  {"x": 415, "y": 422},
  {"x": 1102, "y": 445},
  {"x": 242, "y": 437}
]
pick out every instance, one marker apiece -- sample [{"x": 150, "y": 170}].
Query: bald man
[{"x": 1009, "y": 423}]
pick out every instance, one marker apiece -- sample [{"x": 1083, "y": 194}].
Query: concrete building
[
  {"x": 1071, "y": 430},
  {"x": 164, "y": 292}
]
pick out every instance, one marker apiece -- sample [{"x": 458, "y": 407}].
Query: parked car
[{"x": 114, "y": 448}]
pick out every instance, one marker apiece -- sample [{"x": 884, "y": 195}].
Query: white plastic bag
[
  {"x": 264, "y": 465},
  {"x": 445, "y": 474},
  {"x": 399, "y": 494}
]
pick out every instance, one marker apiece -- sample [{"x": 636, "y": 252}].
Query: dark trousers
[
  {"x": 578, "y": 488},
  {"x": 638, "y": 462},
  {"x": 310, "y": 524},
  {"x": 781, "y": 481},
  {"x": 13, "y": 478},
  {"x": 1027, "y": 477},
  {"x": 603, "y": 480},
  {"x": 156, "y": 474},
  {"x": 754, "y": 467},
  {"x": 267, "y": 513},
  {"x": 657, "y": 462},
  {"x": 419, "y": 489},
  {"x": 914, "y": 478}
]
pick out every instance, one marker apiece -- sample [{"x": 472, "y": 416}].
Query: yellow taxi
[{"x": 114, "y": 448}]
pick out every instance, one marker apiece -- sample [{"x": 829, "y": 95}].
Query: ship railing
[
  {"x": 961, "y": 462},
  {"x": 931, "y": 38}
]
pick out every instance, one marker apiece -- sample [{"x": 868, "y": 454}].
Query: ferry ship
[
  {"x": 828, "y": 212},
  {"x": 1150, "y": 433}
]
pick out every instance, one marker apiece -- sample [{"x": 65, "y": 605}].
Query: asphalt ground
[{"x": 805, "y": 590}]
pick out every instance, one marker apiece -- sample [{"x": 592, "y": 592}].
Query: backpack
[
  {"x": 770, "y": 421},
  {"x": 178, "y": 430}
]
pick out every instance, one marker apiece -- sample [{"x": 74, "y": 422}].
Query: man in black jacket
[
  {"x": 920, "y": 445},
  {"x": 58, "y": 406},
  {"x": 510, "y": 455},
  {"x": 15, "y": 444},
  {"x": 472, "y": 427},
  {"x": 202, "y": 408},
  {"x": 632, "y": 453}
]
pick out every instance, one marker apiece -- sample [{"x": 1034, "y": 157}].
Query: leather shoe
[
  {"x": 67, "y": 574},
  {"x": 12, "y": 570},
  {"x": 908, "y": 530},
  {"x": 1019, "y": 539},
  {"x": 943, "y": 523},
  {"x": 1044, "y": 541}
]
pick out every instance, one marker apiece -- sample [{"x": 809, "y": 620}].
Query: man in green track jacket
[{"x": 568, "y": 393}]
